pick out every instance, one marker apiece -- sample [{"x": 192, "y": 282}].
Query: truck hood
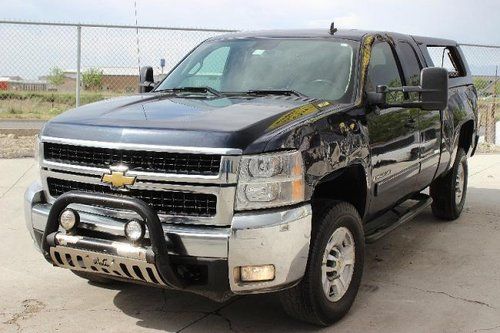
[{"x": 165, "y": 120}]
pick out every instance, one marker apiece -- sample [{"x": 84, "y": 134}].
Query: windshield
[{"x": 318, "y": 68}]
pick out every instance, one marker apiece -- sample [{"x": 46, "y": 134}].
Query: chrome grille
[
  {"x": 163, "y": 202},
  {"x": 136, "y": 160}
]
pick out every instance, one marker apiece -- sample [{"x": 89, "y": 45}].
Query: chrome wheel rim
[
  {"x": 338, "y": 262},
  {"x": 459, "y": 184}
]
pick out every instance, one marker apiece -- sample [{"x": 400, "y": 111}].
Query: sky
[
  {"x": 32, "y": 51},
  {"x": 463, "y": 20}
]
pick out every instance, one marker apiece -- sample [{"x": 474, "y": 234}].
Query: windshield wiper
[
  {"x": 284, "y": 92},
  {"x": 199, "y": 90}
]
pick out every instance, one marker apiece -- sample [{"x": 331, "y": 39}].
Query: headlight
[{"x": 270, "y": 180}]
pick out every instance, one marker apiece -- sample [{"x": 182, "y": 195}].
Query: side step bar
[{"x": 423, "y": 201}]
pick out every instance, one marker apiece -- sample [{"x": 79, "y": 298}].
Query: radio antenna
[{"x": 332, "y": 28}]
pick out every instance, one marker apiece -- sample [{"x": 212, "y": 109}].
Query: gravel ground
[{"x": 12, "y": 146}]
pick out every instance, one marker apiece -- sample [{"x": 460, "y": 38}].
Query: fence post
[
  {"x": 78, "y": 62},
  {"x": 493, "y": 109}
]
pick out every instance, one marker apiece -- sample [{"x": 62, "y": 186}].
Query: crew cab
[{"x": 263, "y": 162}]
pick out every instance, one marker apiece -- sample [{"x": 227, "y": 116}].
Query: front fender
[{"x": 328, "y": 143}]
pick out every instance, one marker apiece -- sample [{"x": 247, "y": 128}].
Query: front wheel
[{"x": 334, "y": 268}]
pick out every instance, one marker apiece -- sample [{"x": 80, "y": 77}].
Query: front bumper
[{"x": 277, "y": 237}]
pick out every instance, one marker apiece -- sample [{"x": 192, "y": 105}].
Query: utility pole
[{"x": 78, "y": 62}]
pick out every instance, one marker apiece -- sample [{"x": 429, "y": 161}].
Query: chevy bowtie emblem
[{"x": 117, "y": 178}]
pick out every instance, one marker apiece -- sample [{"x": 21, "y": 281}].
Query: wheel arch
[
  {"x": 466, "y": 136},
  {"x": 347, "y": 184}
]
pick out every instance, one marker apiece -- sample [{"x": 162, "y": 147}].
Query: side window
[
  {"x": 383, "y": 70},
  {"x": 209, "y": 73},
  {"x": 447, "y": 57},
  {"x": 411, "y": 64}
]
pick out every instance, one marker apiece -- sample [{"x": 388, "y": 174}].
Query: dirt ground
[{"x": 13, "y": 146}]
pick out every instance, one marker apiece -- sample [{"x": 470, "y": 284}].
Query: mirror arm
[
  {"x": 147, "y": 84},
  {"x": 405, "y": 89}
]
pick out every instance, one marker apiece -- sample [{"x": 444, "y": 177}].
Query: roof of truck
[{"x": 351, "y": 34}]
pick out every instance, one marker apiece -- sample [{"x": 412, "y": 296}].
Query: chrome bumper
[{"x": 279, "y": 237}]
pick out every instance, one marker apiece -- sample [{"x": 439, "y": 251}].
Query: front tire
[
  {"x": 449, "y": 191},
  {"x": 334, "y": 268}
]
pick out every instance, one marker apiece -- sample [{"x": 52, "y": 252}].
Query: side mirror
[
  {"x": 434, "y": 83},
  {"x": 146, "y": 79},
  {"x": 433, "y": 92}
]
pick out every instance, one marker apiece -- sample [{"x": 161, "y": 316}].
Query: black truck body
[{"x": 359, "y": 150}]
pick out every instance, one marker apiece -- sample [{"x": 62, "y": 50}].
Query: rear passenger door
[{"x": 428, "y": 122}]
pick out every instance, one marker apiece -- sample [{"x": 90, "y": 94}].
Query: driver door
[{"x": 393, "y": 133}]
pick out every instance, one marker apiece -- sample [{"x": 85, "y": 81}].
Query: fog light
[
  {"x": 134, "y": 230},
  {"x": 257, "y": 273},
  {"x": 69, "y": 219}
]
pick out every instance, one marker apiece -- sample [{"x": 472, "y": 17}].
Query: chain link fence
[
  {"x": 47, "y": 68},
  {"x": 484, "y": 62}
]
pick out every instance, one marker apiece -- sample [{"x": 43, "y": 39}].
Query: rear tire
[
  {"x": 333, "y": 274},
  {"x": 448, "y": 192},
  {"x": 94, "y": 278}
]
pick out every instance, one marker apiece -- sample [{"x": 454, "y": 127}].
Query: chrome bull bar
[{"x": 107, "y": 257}]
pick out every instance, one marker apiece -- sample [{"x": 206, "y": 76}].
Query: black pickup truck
[{"x": 263, "y": 162}]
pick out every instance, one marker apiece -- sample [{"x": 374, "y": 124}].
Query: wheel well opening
[
  {"x": 348, "y": 184},
  {"x": 465, "y": 139}
]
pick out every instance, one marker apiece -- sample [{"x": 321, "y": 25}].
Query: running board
[{"x": 400, "y": 218}]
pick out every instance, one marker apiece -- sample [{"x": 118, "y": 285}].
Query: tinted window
[
  {"x": 209, "y": 71},
  {"x": 383, "y": 70},
  {"x": 317, "y": 68},
  {"x": 410, "y": 64},
  {"x": 214, "y": 63}
]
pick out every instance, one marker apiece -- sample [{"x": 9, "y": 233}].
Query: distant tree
[
  {"x": 485, "y": 87},
  {"x": 56, "y": 76},
  {"x": 92, "y": 79},
  {"x": 480, "y": 83}
]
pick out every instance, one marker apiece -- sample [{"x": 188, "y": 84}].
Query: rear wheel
[
  {"x": 448, "y": 192},
  {"x": 334, "y": 268}
]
